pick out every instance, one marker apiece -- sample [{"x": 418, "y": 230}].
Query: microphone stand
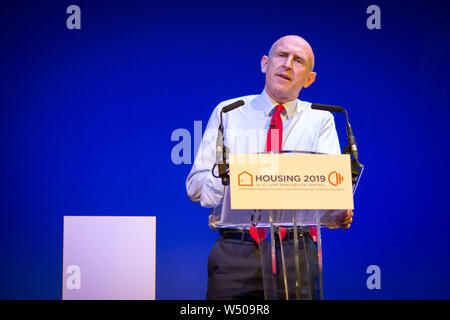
[
  {"x": 222, "y": 154},
  {"x": 221, "y": 149},
  {"x": 356, "y": 166}
]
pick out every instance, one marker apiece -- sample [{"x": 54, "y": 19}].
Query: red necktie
[
  {"x": 274, "y": 143},
  {"x": 275, "y": 133}
]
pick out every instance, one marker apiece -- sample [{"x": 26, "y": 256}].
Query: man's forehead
[{"x": 291, "y": 43}]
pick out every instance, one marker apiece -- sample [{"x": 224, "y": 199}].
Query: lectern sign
[{"x": 290, "y": 181}]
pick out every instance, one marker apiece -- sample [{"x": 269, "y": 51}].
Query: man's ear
[
  {"x": 264, "y": 61},
  {"x": 310, "y": 80}
]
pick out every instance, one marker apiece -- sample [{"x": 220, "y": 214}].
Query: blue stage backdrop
[{"x": 87, "y": 117}]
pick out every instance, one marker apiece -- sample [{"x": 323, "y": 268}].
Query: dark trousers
[{"x": 235, "y": 272}]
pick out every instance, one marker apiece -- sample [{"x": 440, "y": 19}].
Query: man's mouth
[{"x": 283, "y": 76}]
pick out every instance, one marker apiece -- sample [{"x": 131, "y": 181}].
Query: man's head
[{"x": 288, "y": 68}]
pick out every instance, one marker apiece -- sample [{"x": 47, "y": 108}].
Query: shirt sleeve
[
  {"x": 328, "y": 141},
  {"x": 201, "y": 185}
]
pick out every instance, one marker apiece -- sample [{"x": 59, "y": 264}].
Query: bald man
[
  {"x": 288, "y": 68},
  {"x": 234, "y": 265}
]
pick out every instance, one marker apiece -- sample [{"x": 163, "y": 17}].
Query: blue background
[{"x": 87, "y": 116}]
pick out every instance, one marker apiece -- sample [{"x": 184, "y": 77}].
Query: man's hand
[{"x": 343, "y": 220}]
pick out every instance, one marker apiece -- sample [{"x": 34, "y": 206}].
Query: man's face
[{"x": 288, "y": 68}]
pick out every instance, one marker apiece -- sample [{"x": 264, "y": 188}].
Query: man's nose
[{"x": 287, "y": 63}]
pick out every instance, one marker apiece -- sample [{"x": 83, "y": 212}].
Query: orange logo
[
  {"x": 245, "y": 179},
  {"x": 335, "y": 178}
]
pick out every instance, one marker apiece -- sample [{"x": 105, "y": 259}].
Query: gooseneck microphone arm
[
  {"x": 221, "y": 149},
  {"x": 351, "y": 147}
]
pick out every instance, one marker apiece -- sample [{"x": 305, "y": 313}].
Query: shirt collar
[{"x": 269, "y": 103}]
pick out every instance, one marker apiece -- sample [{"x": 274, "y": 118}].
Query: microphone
[
  {"x": 350, "y": 136},
  {"x": 352, "y": 141},
  {"x": 351, "y": 147},
  {"x": 221, "y": 149},
  {"x": 233, "y": 106},
  {"x": 324, "y": 107}
]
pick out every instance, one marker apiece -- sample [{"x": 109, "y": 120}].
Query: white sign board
[{"x": 109, "y": 258}]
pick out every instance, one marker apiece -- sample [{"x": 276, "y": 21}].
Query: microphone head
[
  {"x": 324, "y": 107},
  {"x": 233, "y": 106}
]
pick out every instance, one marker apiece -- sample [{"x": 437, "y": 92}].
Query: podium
[{"x": 284, "y": 199}]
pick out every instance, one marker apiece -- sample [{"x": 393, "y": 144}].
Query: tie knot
[{"x": 278, "y": 109}]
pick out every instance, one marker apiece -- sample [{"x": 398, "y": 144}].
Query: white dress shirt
[{"x": 245, "y": 131}]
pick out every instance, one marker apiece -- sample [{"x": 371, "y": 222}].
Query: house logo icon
[
  {"x": 245, "y": 179},
  {"x": 335, "y": 178}
]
